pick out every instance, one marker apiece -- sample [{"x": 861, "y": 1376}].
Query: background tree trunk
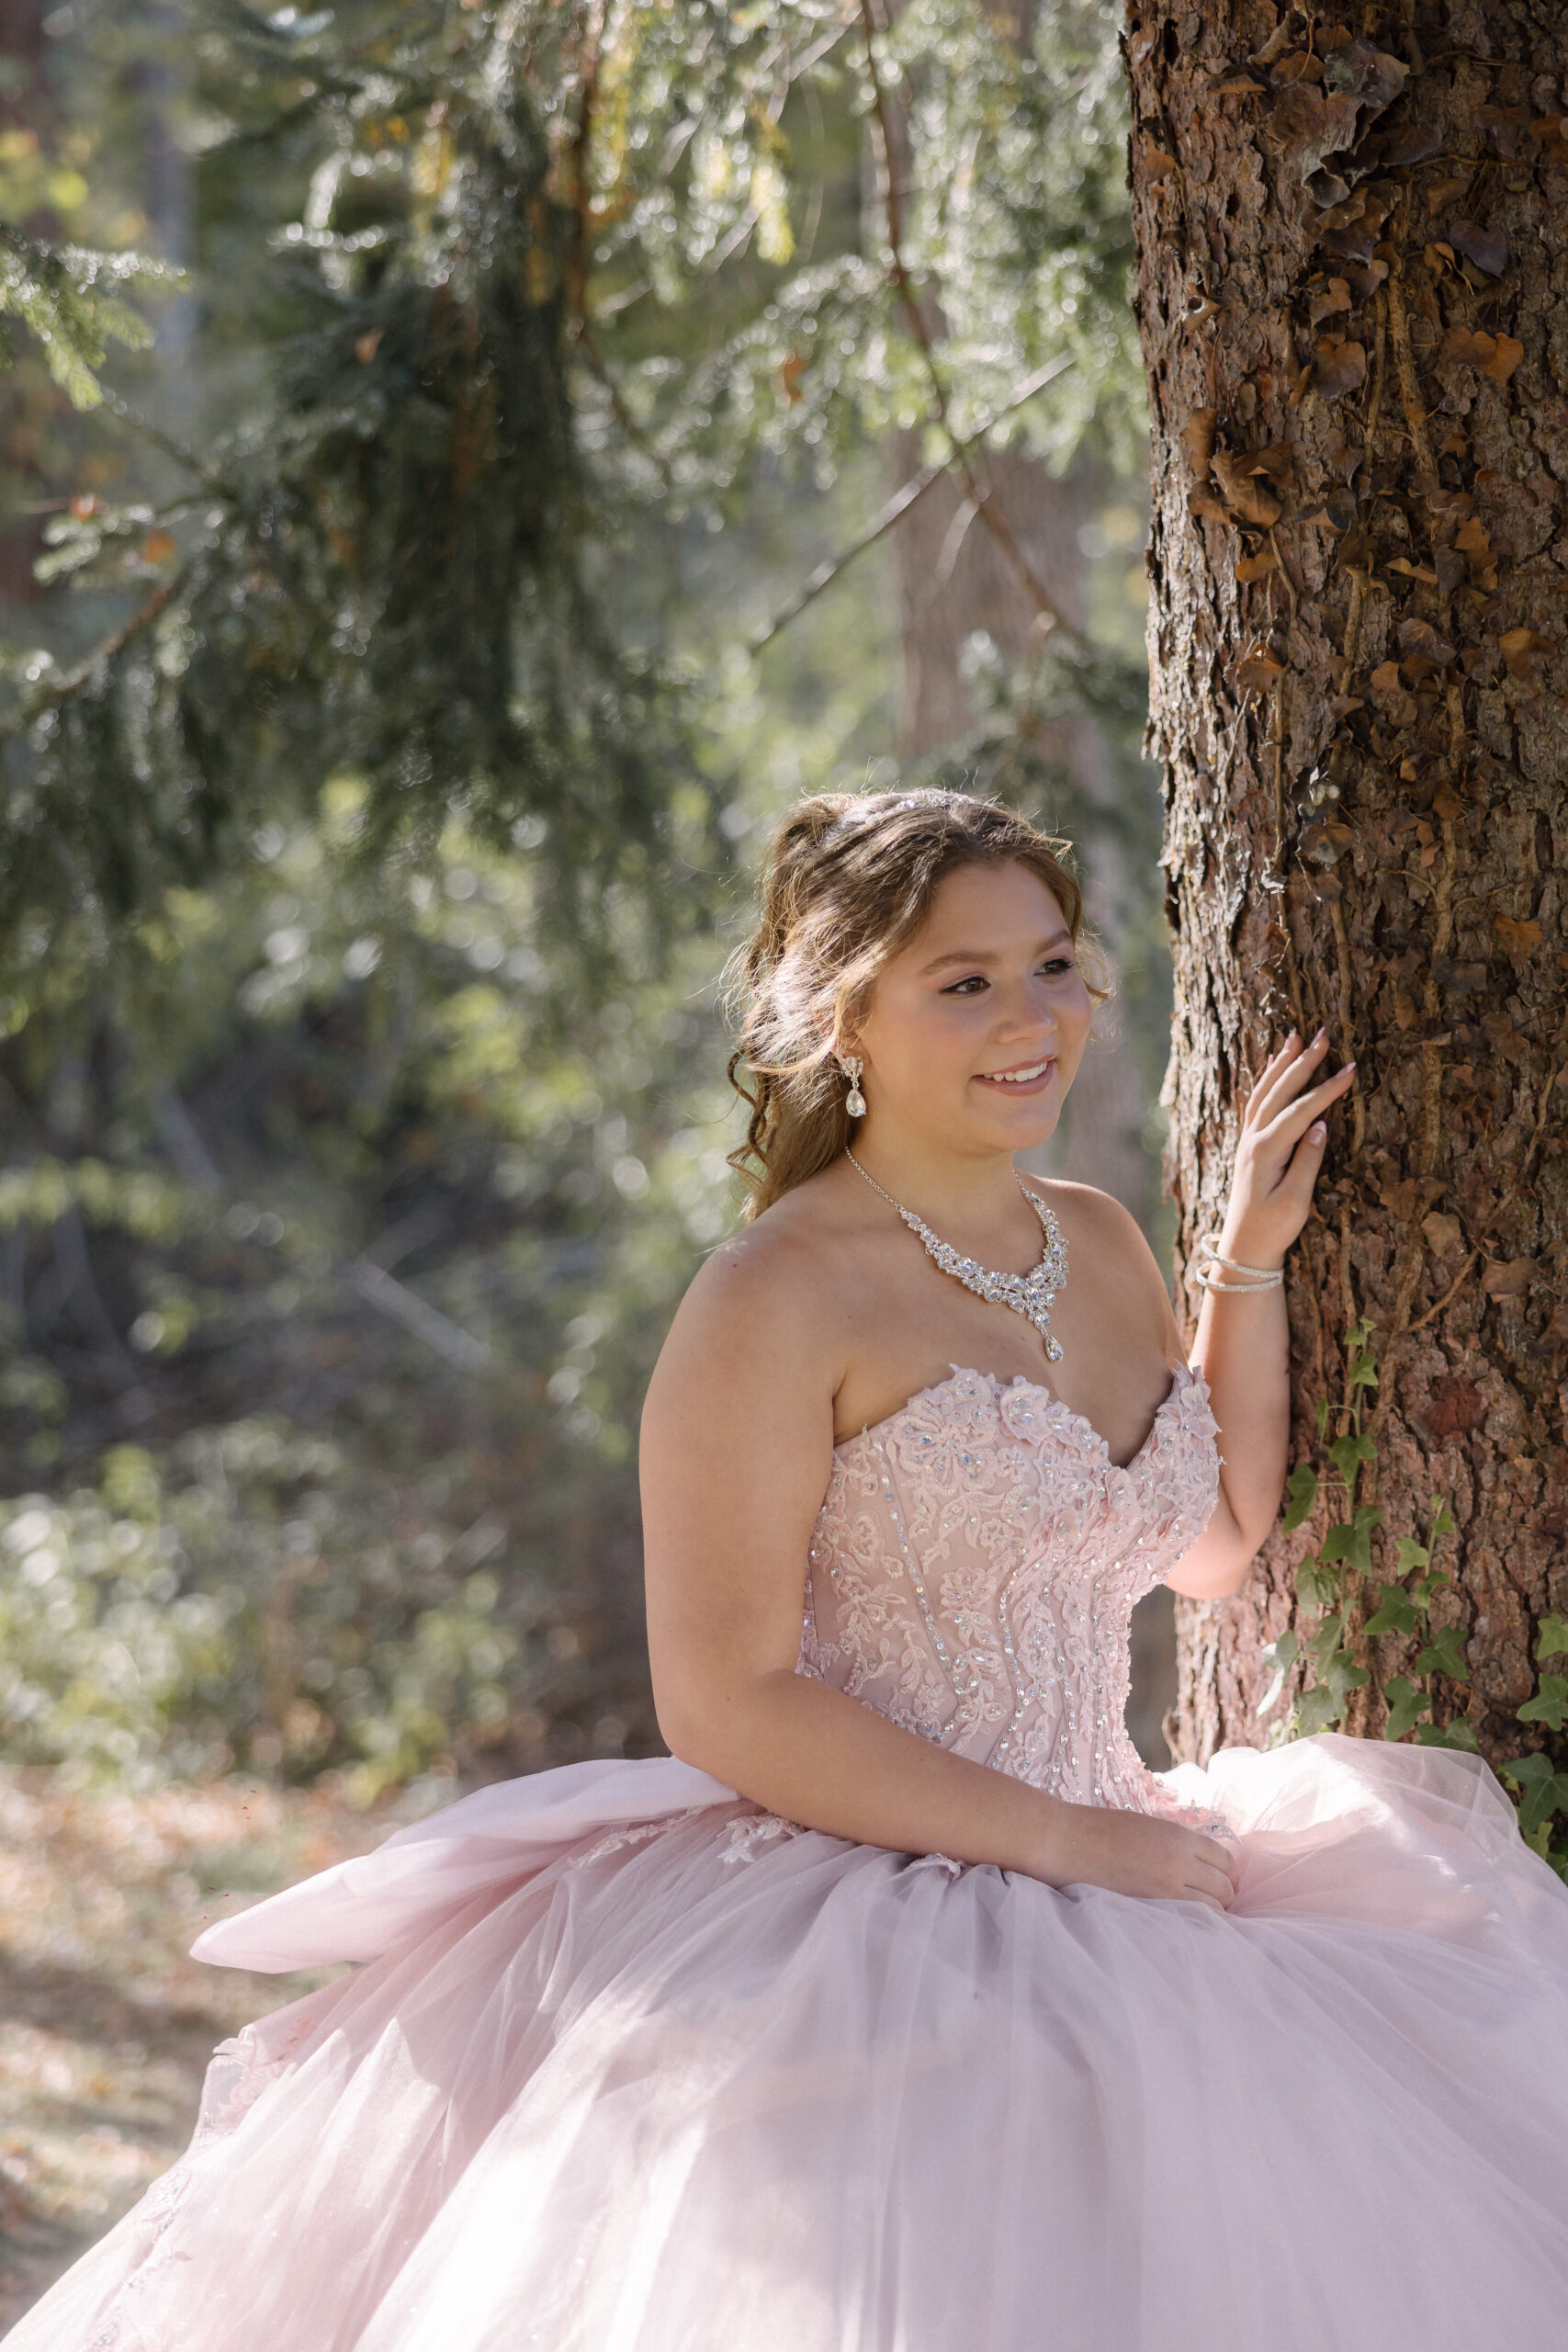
[{"x": 1353, "y": 294}]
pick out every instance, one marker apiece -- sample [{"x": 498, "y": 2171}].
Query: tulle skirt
[{"x": 631, "y": 2067}]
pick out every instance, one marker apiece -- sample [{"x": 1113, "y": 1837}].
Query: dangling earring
[{"x": 854, "y": 1102}]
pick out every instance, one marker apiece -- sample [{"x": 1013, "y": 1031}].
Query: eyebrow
[{"x": 988, "y": 955}]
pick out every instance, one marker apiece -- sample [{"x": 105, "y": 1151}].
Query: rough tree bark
[{"x": 1353, "y": 290}]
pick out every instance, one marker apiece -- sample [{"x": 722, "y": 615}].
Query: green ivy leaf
[
  {"x": 1394, "y": 1614},
  {"x": 1301, "y": 1487},
  {"x": 1422, "y": 1592},
  {"x": 1406, "y": 1702},
  {"x": 1358, "y": 1335},
  {"x": 1364, "y": 1373},
  {"x": 1445, "y": 1655},
  {"x": 1348, "y": 1454},
  {"x": 1550, "y": 1705},
  {"x": 1459, "y": 1734},
  {"x": 1279, "y": 1656},
  {"x": 1408, "y": 1554},
  {"x": 1443, "y": 1521},
  {"x": 1544, "y": 1791},
  {"x": 1317, "y": 1710},
  {"x": 1351, "y": 1539},
  {"x": 1316, "y": 1587},
  {"x": 1552, "y": 1637},
  {"x": 1321, "y": 1410}
]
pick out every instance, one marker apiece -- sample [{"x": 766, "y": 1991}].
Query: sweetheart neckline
[{"x": 1182, "y": 1376}]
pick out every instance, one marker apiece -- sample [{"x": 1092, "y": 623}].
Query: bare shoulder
[
  {"x": 771, "y": 1302},
  {"x": 1111, "y": 1238}
]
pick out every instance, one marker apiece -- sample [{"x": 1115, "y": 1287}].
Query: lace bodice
[{"x": 973, "y": 1567}]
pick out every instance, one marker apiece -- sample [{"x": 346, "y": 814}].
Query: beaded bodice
[{"x": 974, "y": 1568}]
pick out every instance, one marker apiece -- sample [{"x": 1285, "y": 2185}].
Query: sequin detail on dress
[{"x": 974, "y": 1568}]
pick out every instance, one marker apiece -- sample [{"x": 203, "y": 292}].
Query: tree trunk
[{"x": 1352, "y": 285}]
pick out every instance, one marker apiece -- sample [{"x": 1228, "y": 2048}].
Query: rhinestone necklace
[{"x": 1030, "y": 1295}]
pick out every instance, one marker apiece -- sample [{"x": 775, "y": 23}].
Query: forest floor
[{"x": 105, "y": 2024}]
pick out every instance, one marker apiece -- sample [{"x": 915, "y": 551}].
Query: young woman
[{"x": 901, "y": 2009}]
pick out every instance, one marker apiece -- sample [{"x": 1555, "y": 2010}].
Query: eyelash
[{"x": 1062, "y": 964}]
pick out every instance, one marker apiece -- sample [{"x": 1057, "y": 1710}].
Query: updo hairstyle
[{"x": 850, "y": 880}]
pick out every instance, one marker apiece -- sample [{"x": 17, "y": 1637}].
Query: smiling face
[{"x": 976, "y": 1026}]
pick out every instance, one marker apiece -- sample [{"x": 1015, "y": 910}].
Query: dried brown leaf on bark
[
  {"x": 1242, "y": 492},
  {"x": 1413, "y": 142},
  {"x": 1547, "y": 133},
  {"x": 1158, "y": 165},
  {"x": 1448, "y": 806},
  {"x": 1237, "y": 81},
  {"x": 1334, "y": 512},
  {"x": 1385, "y": 679},
  {"x": 1504, "y": 125},
  {"x": 1419, "y": 641},
  {"x": 1518, "y": 939},
  {"x": 1438, "y": 257},
  {"x": 1507, "y": 357},
  {"x": 1256, "y": 567},
  {"x": 1204, "y": 501},
  {"x": 1444, "y": 1234},
  {"x": 1364, "y": 282},
  {"x": 1475, "y": 349},
  {"x": 1509, "y": 1277},
  {"x": 1372, "y": 77},
  {"x": 1258, "y": 672},
  {"x": 1522, "y": 648},
  {"x": 1298, "y": 66},
  {"x": 1453, "y": 573},
  {"x": 1473, "y": 542},
  {"x": 1487, "y": 248},
  {"x": 1316, "y": 127},
  {"x": 1330, "y": 294},
  {"x": 1326, "y": 841},
  {"x": 1339, "y": 366},
  {"x": 1403, "y": 564},
  {"x": 1198, "y": 436}
]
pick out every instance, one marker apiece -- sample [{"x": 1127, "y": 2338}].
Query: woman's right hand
[{"x": 1137, "y": 1853}]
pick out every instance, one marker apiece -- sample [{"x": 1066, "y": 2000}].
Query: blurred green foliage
[{"x": 386, "y": 750}]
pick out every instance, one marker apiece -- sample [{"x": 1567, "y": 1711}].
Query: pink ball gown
[{"x": 632, "y": 2066}]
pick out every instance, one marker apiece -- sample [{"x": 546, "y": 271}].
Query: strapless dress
[{"x": 632, "y": 2066}]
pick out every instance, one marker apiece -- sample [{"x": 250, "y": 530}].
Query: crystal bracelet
[
  {"x": 1234, "y": 1265},
  {"x": 1264, "y": 1281}
]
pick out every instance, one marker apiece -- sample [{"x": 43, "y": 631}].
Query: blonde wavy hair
[{"x": 848, "y": 881}]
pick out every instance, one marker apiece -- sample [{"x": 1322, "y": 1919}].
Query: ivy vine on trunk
[{"x": 1354, "y": 307}]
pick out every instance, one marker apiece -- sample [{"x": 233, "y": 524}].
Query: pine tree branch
[
  {"x": 898, "y": 505},
  {"x": 979, "y": 490}
]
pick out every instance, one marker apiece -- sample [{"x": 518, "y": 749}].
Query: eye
[
  {"x": 967, "y": 987},
  {"x": 1055, "y": 965}
]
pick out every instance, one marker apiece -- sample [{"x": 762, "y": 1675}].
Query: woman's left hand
[{"x": 1280, "y": 1152}]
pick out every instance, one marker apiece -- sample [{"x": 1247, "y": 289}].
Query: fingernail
[
  {"x": 1320, "y": 1036},
  {"x": 1319, "y": 1132},
  {"x": 1294, "y": 1038},
  {"x": 1349, "y": 1066}
]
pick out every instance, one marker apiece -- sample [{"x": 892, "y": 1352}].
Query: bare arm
[
  {"x": 1243, "y": 1341},
  {"x": 737, "y": 1448}
]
